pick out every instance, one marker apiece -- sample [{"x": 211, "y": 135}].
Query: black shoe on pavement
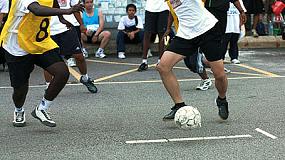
[
  {"x": 223, "y": 108},
  {"x": 90, "y": 85},
  {"x": 143, "y": 67},
  {"x": 19, "y": 119},
  {"x": 170, "y": 116}
]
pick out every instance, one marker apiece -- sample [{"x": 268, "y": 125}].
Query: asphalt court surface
[{"x": 124, "y": 120}]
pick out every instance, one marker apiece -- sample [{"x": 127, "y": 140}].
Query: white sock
[
  {"x": 100, "y": 50},
  {"x": 45, "y": 104},
  {"x": 144, "y": 61},
  {"x": 85, "y": 77},
  {"x": 19, "y": 109},
  {"x": 47, "y": 83}
]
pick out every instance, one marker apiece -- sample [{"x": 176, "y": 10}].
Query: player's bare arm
[{"x": 40, "y": 10}]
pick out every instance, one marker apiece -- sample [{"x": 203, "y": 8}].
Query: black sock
[
  {"x": 222, "y": 99},
  {"x": 179, "y": 105}
]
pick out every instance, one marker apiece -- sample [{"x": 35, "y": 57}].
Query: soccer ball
[{"x": 188, "y": 117}]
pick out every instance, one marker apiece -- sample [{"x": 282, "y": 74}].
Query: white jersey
[
  {"x": 4, "y": 6},
  {"x": 56, "y": 27},
  {"x": 156, "y": 5},
  {"x": 194, "y": 19},
  {"x": 127, "y": 22},
  {"x": 233, "y": 19},
  {"x": 12, "y": 45}
]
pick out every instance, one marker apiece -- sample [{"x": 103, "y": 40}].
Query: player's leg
[
  {"x": 104, "y": 38},
  {"x": 20, "y": 68},
  {"x": 54, "y": 65},
  {"x": 161, "y": 28}
]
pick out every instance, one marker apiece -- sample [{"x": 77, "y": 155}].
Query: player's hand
[
  {"x": 131, "y": 35},
  {"x": 76, "y": 8},
  {"x": 166, "y": 33},
  {"x": 83, "y": 29},
  {"x": 243, "y": 18}
]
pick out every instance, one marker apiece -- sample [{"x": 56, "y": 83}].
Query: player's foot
[
  {"x": 170, "y": 116},
  {"x": 235, "y": 61},
  {"x": 143, "y": 67},
  {"x": 223, "y": 108},
  {"x": 84, "y": 52},
  {"x": 90, "y": 85},
  {"x": 204, "y": 85},
  {"x": 19, "y": 119},
  {"x": 43, "y": 117}
]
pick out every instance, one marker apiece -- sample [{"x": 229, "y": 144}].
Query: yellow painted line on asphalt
[
  {"x": 258, "y": 70},
  {"x": 74, "y": 73},
  {"x": 119, "y": 74},
  {"x": 109, "y": 62}
]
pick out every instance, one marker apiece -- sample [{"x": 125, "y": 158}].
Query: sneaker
[
  {"x": 170, "y": 116},
  {"x": 84, "y": 52},
  {"x": 71, "y": 62},
  {"x": 254, "y": 33},
  {"x": 204, "y": 85},
  {"x": 143, "y": 67},
  {"x": 100, "y": 55},
  {"x": 149, "y": 54},
  {"x": 235, "y": 61},
  {"x": 19, "y": 119},
  {"x": 90, "y": 85},
  {"x": 43, "y": 116},
  {"x": 227, "y": 70},
  {"x": 121, "y": 55},
  {"x": 223, "y": 108}
]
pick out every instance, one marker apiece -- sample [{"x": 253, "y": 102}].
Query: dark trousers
[
  {"x": 123, "y": 38},
  {"x": 232, "y": 39}
]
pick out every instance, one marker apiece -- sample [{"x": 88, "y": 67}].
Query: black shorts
[
  {"x": 89, "y": 38},
  {"x": 68, "y": 42},
  {"x": 254, "y": 6},
  {"x": 156, "y": 22},
  {"x": 20, "y": 67},
  {"x": 78, "y": 31},
  {"x": 210, "y": 43}
]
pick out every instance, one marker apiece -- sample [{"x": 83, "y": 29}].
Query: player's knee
[
  {"x": 162, "y": 68},
  {"x": 107, "y": 34}
]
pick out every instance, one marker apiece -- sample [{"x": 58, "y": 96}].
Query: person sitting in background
[
  {"x": 130, "y": 30},
  {"x": 93, "y": 21}
]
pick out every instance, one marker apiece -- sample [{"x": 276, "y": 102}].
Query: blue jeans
[{"x": 123, "y": 38}]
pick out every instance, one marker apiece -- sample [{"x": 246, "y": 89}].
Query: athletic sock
[
  {"x": 179, "y": 105},
  {"x": 144, "y": 61},
  {"x": 19, "y": 109},
  {"x": 222, "y": 99},
  {"x": 85, "y": 77},
  {"x": 45, "y": 104}
]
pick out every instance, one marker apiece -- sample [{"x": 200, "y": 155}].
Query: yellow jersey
[{"x": 33, "y": 32}]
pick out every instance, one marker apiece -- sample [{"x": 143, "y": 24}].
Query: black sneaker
[
  {"x": 90, "y": 85},
  {"x": 170, "y": 116},
  {"x": 223, "y": 108},
  {"x": 19, "y": 119},
  {"x": 143, "y": 67}
]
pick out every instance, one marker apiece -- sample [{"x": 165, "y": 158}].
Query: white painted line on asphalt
[
  {"x": 187, "y": 139},
  {"x": 147, "y": 81},
  {"x": 266, "y": 133}
]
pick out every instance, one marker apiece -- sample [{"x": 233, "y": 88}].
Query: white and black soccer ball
[{"x": 187, "y": 117}]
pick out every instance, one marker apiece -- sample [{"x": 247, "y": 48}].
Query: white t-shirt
[
  {"x": 194, "y": 19},
  {"x": 4, "y": 6},
  {"x": 56, "y": 27},
  {"x": 12, "y": 45},
  {"x": 127, "y": 22},
  {"x": 233, "y": 19},
  {"x": 156, "y": 5}
]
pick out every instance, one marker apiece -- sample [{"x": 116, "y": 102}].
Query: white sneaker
[
  {"x": 149, "y": 53},
  {"x": 71, "y": 62},
  {"x": 254, "y": 33},
  {"x": 100, "y": 55},
  {"x": 19, "y": 119},
  {"x": 43, "y": 117},
  {"x": 121, "y": 55},
  {"x": 235, "y": 61},
  {"x": 84, "y": 52},
  {"x": 204, "y": 85}
]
